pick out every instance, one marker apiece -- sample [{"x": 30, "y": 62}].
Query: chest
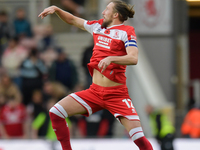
[{"x": 109, "y": 39}]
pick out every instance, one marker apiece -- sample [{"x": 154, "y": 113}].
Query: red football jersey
[
  {"x": 110, "y": 41},
  {"x": 13, "y": 119}
]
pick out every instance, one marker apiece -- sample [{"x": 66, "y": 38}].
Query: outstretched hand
[{"x": 47, "y": 11}]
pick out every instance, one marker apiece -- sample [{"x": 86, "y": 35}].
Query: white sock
[
  {"x": 59, "y": 110},
  {"x": 136, "y": 133}
]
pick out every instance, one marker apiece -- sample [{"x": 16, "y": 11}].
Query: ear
[{"x": 116, "y": 15}]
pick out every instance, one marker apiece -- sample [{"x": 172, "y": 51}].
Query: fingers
[
  {"x": 102, "y": 66},
  {"x": 40, "y": 14},
  {"x": 43, "y": 14},
  {"x": 46, "y": 12}
]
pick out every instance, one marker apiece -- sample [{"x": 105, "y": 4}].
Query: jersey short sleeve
[
  {"x": 91, "y": 25},
  {"x": 131, "y": 39}
]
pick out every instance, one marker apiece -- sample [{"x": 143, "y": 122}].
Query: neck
[{"x": 115, "y": 22}]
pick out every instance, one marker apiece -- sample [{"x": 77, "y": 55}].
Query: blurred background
[{"x": 41, "y": 61}]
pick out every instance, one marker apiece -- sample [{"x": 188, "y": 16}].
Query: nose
[{"x": 103, "y": 12}]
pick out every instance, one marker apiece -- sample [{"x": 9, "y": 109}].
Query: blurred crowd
[{"x": 35, "y": 73}]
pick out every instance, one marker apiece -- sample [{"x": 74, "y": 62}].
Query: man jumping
[{"x": 115, "y": 46}]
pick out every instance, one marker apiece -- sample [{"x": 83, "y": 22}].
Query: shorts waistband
[{"x": 95, "y": 86}]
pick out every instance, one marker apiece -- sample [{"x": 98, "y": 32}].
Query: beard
[{"x": 105, "y": 24}]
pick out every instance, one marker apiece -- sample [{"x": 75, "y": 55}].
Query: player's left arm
[{"x": 130, "y": 59}]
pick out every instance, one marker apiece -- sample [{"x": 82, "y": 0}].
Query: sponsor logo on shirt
[
  {"x": 104, "y": 42},
  {"x": 105, "y": 39}
]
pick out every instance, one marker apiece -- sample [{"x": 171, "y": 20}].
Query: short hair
[{"x": 125, "y": 10}]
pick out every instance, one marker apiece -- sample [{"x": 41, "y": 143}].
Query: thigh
[
  {"x": 71, "y": 106},
  {"x": 129, "y": 124},
  {"x": 89, "y": 99}
]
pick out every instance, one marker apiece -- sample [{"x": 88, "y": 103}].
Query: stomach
[{"x": 102, "y": 80}]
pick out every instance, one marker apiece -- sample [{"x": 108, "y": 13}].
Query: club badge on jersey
[{"x": 116, "y": 35}]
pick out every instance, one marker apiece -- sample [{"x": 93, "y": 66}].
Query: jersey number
[{"x": 128, "y": 103}]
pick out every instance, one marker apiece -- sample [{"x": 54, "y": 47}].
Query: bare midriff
[{"x": 102, "y": 80}]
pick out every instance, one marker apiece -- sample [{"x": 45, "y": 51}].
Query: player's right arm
[{"x": 65, "y": 16}]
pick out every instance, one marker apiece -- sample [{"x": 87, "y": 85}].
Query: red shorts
[{"x": 115, "y": 99}]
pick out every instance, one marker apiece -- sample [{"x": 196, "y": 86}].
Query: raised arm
[{"x": 65, "y": 16}]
